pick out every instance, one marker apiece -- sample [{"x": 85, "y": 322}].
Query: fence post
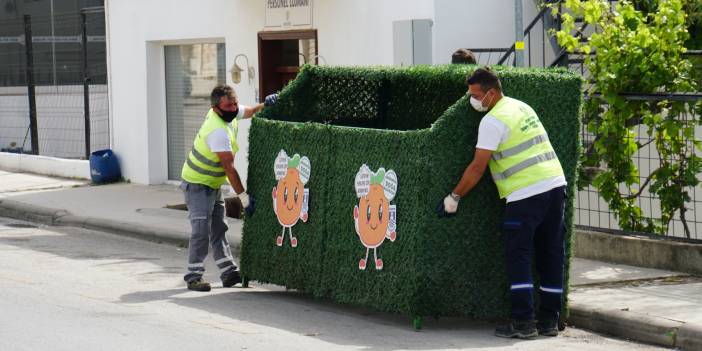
[
  {"x": 86, "y": 82},
  {"x": 30, "y": 84},
  {"x": 519, "y": 34}
]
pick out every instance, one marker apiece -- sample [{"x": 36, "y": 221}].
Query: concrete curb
[
  {"x": 639, "y": 251},
  {"x": 125, "y": 229},
  {"x": 57, "y": 217},
  {"x": 20, "y": 210},
  {"x": 637, "y": 326},
  {"x": 690, "y": 337}
]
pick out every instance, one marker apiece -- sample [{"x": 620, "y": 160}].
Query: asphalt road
[{"x": 73, "y": 289}]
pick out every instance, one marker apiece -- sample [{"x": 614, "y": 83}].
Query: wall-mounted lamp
[
  {"x": 324, "y": 61},
  {"x": 236, "y": 70},
  {"x": 312, "y": 61}
]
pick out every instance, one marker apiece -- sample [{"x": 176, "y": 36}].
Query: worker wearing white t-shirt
[
  {"x": 208, "y": 166},
  {"x": 527, "y": 173}
]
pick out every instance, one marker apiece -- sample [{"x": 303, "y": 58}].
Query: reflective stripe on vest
[
  {"x": 200, "y": 170},
  {"x": 526, "y": 156},
  {"x": 524, "y": 164},
  {"x": 200, "y": 157},
  {"x": 521, "y": 147},
  {"x": 202, "y": 166}
]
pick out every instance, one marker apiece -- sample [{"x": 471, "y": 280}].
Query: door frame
[{"x": 295, "y": 34}]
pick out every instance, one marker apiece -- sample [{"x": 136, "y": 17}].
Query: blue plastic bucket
[{"x": 104, "y": 167}]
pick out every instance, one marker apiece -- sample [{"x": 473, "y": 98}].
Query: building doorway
[{"x": 280, "y": 55}]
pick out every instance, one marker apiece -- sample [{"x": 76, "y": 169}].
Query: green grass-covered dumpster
[{"x": 306, "y": 157}]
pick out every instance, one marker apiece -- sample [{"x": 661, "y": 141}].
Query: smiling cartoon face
[
  {"x": 289, "y": 197},
  {"x": 372, "y": 215}
]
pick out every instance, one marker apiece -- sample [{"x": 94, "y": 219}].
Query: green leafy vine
[{"x": 634, "y": 52}]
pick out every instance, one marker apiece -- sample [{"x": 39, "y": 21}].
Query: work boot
[
  {"x": 199, "y": 285},
  {"x": 231, "y": 279},
  {"x": 547, "y": 327},
  {"x": 517, "y": 329}
]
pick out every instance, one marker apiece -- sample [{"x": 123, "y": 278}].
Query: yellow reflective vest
[
  {"x": 526, "y": 157},
  {"x": 202, "y": 166}
]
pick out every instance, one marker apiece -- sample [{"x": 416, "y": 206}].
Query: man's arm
[
  {"x": 226, "y": 159},
  {"x": 473, "y": 173},
  {"x": 269, "y": 101},
  {"x": 471, "y": 176},
  {"x": 249, "y": 111}
]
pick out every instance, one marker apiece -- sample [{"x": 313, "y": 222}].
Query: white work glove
[
  {"x": 450, "y": 205},
  {"x": 244, "y": 197}
]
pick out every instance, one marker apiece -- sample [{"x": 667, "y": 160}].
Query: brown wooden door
[{"x": 280, "y": 55}]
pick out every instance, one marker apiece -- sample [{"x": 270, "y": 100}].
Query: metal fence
[
  {"x": 53, "y": 84},
  {"x": 488, "y": 56},
  {"x": 593, "y": 213},
  {"x": 542, "y": 50}
]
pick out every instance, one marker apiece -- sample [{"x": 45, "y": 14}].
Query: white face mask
[{"x": 478, "y": 105}]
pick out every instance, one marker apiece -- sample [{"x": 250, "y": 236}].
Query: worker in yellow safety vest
[
  {"x": 515, "y": 146},
  {"x": 210, "y": 164}
]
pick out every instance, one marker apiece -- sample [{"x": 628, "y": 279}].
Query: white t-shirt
[
  {"x": 491, "y": 133},
  {"x": 218, "y": 139}
]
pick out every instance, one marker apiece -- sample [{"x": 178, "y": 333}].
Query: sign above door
[{"x": 288, "y": 14}]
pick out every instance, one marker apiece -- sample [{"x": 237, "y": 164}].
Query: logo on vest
[{"x": 530, "y": 122}]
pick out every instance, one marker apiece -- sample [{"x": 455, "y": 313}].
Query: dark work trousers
[
  {"x": 206, "y": 214},
  {"x": 534, "y": 227}
]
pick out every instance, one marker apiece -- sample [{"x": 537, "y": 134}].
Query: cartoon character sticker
[
  {"x": 290, "y": 198},
  {"x": 374, "y": 217}
]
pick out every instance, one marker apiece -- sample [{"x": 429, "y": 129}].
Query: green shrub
[{"x": 417, "y": 122}]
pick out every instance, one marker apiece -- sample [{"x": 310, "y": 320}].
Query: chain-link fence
[
  {"x": 53, "y": 84},
  {"x": 592, "y": 211}
]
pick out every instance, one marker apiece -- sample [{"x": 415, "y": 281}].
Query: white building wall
[
  {"x": 349, "y": 33},
  {"x": 359, "y": 32},
  {"x": 478, "y": 24},
  {"x": 355, "y": 32},
  {"x": 137, "y": 33}
]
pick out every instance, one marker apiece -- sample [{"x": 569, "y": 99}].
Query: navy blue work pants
[{"x": 534, "y": 227}]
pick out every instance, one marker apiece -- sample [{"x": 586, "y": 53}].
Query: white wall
[
  {"x": 451, "y": 31},
  {"x": 359, "y": 32},
  {"x": 349, "y": 33},
  {"x": 45, "y": 165},
  {"x": 137, "y": 33},
  {"x": 477, "y": 24},
  {"x": 355, "y": 32}
]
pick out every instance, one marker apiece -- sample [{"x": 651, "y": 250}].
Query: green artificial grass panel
[{"x": 435, "y": 267}]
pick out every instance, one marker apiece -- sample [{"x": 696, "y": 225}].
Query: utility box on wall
[{"x": 412, "y": 43}]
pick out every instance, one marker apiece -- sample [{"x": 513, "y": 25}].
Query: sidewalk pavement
[
  {"x": 642, "y": 304},
  {"x": 123, "y": 208}
]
